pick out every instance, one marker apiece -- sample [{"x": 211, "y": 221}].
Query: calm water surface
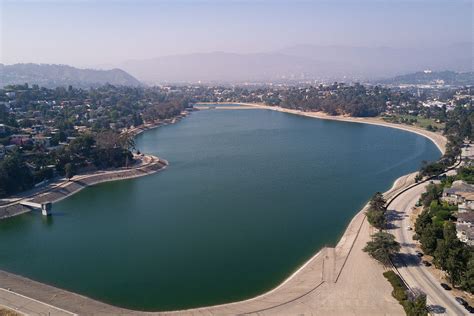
[{"x": 248, "y": 197}]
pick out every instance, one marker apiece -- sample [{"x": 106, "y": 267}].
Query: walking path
[{"x": 28, "y": 306}]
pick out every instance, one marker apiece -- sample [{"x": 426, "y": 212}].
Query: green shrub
[{"x": 413, "y": 302}]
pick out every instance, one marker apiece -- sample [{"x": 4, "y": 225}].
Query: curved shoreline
[
  {"x": 307, "y": 279},
  {"x": 437, "y": 139},
  {"x": 63, "y": 188}
]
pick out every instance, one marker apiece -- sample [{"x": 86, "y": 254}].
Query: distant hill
[
  {"x": 51, "y": 76},
  {"x": 434, "y": 77},
  {"x": 301, "y": 62}
]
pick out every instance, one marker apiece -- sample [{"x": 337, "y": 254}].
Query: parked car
[
  {"x": 419, "y": 254},
  {"x": 470, "y": 309},
  {"x": 461, "y": 301},
  {"x": 445, "y": 286},
  {"x": 409, "y": 228},
  {"x": 426, "y": 263}
]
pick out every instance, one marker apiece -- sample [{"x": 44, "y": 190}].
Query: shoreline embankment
[
  {"x": 62, "y": 188},
  {"x": 320, "y": 273}
]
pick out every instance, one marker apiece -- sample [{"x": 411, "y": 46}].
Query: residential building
[
  {"x": 19, "y": 139},
  {"x": 465, "y": 227},
  {"x": 458, "y": 192},
  {"x": 42, "y": 141}
]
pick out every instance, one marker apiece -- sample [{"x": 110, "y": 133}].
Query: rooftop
[
  {"x": 459, "y": 187},
  {"x": 466, "y": 217}
]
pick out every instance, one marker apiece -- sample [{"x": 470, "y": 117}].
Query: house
[
  {"x": 465, "y": 207},
  {"x": 465, "y": 227},
  {"x": 37, "y": 129},
  {"x": 19, "y": 139},
  {"x": 465, "y": 233},
  {"x": 42, "y": 141},
  {"x": 458, "y": 192},
  {"x": 466, "y": 218}
]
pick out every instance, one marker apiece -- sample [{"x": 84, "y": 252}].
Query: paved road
[{"x": 408, "y": 263}]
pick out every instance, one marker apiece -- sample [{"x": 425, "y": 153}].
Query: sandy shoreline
[
  {"x": 438, "y": 139},
  {"x": 320, "y": 275}
]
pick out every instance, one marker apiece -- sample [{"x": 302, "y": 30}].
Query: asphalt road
[{"x": 407, "y": 262}]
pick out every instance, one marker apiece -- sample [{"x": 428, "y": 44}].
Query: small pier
[{"x": 44, "y": 207}]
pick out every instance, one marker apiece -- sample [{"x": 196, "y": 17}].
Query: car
[
  {"x": 426, "y": 263},
  {"x": 419, "y": 254},
  {"x": 469, "y": 308},
  {"x": 461, "y": 301},
  {"x": 445, "y": 286},
  {"x": 409, "y": 228}
]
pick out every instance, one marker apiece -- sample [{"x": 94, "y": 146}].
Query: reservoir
[{"x": 249, "y": 196}]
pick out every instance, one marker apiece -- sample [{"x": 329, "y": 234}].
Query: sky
[{"x": 88, "y": 33}]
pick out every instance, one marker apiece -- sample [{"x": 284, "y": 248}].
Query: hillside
[
  {"x": 61, "y": 75},
  {"x": 434, "y": 77}
]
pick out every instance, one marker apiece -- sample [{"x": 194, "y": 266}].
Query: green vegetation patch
[
  {"x": 436, "y": 232},
  {"x": 413, "y": 301},
  {"x": 426, "y": 123}
]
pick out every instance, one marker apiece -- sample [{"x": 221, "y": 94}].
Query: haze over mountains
[
  {"x": 432, "y": 78},
  {"x": 301, "y": 62},
  {"x": 51, "y": 76}
]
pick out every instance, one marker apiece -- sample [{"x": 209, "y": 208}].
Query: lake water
[{"x": 248, "y": 197}]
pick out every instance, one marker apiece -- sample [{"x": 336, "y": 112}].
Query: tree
[
  {"x": 422, "y": 221},
  {"x": 376, "y": 218},
  {"x": 429, "y": 238},
  {"x": 415, "y": 305},
  {"x": 69, "y": 170},
  {"x": 377, "y": 201},
  {"x": 376, "y": 212},
  {"x": 15, "y": 176},
  {"x": 382, "y": 247},
  {"x": 441, "y": 253},
  {"x": 468, "y": 279}
]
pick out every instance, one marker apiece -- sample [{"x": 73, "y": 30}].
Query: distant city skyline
[{"x": 92, "y": 33}]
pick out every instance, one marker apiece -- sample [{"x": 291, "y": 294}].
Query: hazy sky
[{"x": 85, "y": 33}]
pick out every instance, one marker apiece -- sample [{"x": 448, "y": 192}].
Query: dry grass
[{"x": 8, "y": 312}]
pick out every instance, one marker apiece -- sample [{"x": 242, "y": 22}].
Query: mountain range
[
  {"x": 296, "y": 63},
  {"x": 301, "y": 62},
  {"x": 51, "y": 76}
]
